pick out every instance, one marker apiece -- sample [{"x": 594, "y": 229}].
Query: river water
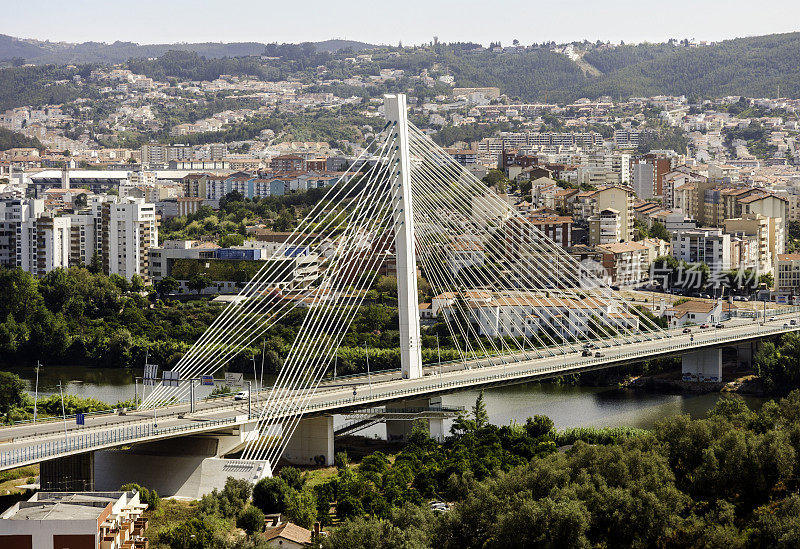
[{"x": 567, "y": 406}]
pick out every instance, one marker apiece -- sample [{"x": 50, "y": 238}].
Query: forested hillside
[
  {"x": 62, "y": 53},
  {"x": 756, "y": 67}
]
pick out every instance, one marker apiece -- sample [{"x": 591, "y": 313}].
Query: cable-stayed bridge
[{"x": 514, "y": 303}]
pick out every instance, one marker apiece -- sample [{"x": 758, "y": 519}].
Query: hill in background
[
  {"x": 63, "y": 53},
  {"x": 762, "y": 66}
]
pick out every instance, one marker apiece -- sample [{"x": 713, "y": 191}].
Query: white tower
[{"x": 407, "y": 304}]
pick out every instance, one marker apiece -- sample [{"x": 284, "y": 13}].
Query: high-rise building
[{"x": 129, "y": 228}]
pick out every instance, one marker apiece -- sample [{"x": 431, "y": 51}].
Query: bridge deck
[{"x": 27, "y": 444}]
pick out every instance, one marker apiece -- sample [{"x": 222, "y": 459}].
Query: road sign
[
  {"x": 170, "y": 378},
  {"x": 234, "y": 379},
  {"x": 207, "y": 380},
  {"x": 80, "y": 419},
  {"x": 150, "y": 374}
]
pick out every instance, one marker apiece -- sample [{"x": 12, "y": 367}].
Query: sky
[{"x": 383, "y": 22}]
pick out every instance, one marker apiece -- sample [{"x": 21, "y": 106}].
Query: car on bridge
[
  {"x": 704, "y": 326},
  {"x": 242, "y": 395},
  {"x": 586, "y": 352},
  {"x": 687, "y": 330}
]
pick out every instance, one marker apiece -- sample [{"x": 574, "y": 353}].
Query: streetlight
[{"x": 36, "y": 391}]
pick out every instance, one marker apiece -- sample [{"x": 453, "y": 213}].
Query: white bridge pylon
[{"x": 504, "y": 291}]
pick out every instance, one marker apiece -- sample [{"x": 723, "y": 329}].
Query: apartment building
[
  {"x": 605, "y": 227},
  {"x": 43, "y": 243},
  {"x": 643, "y": 179},
  {"x": 625, "y": 263},
  {"x": 616, "y": 197},
  {"x": 80, "y": 520},
  {"x": 751, "y": 233},
  {"x": 129, "y": 228},
  {"x": 674, "y": 179},
  {"x": 557, "y": 228},
  {"x": 157, "y": 154},
  {"x": 704, "y": 245},
  {"x": 465, "y": 157},
  {"x": 288, "y": 163},
  {"x": 787, "y": 274}
]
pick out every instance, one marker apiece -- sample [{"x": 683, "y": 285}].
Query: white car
[{"x": 242, "y": 395}]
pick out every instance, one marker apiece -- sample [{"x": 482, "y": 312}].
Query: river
[{"x": 567, "y": 406}]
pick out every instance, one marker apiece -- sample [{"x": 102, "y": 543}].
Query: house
[
  {"x": 694, "y": 311},
  {"x": 287, "y": 535}
]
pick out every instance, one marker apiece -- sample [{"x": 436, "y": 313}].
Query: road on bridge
[{"x": 379, "y": 388}]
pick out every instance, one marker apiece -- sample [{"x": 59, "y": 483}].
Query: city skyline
[{"x": 246, "y": 21}]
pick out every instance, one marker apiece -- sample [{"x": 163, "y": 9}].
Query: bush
[
  {"x": 293, "y": 477},
  {"x": 269, "y": 495},
  {"x": 228, "y": 502},
  {"x": 251, "y": 520}
]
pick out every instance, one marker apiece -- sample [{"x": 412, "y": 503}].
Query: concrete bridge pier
[
  {"x": 189, "y": 466},
  {"x": 745, "y": 353},
  {"x": 311, "y": 442},
  {"x": 702, "y": 365},
  {"x": 400, "y": 430}
]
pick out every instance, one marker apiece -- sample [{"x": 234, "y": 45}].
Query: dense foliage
[
  {"x": 729, "y": 480},
  {"x": 77, "y": 317},
  {"x": 11, "y": 140}
]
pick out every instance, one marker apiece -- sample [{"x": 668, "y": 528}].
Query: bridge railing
[
  {"x": 96, "y": 439},
  {"x": 570, "y": 365}
]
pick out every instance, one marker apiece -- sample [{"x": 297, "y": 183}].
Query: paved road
[{"x": 22, "y": 444}]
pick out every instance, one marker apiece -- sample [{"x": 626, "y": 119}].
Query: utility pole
[
  {"x": 439, "y": 353},
  {"x": 191, "y": 395},
  {"x": 249, "y": 399},
  {"x": 407, "y": 298},
  {"x": 36, "y": 392},
  {"x": 369, "y": 377}
]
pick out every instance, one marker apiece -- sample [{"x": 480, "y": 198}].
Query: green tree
[
  {"x": 270, "y": 494},
  {"x": 195, "y": 533},
  {"x": 293, "y": 477},
  {"x": 199, "y": 282},
  {"x": 166, "y": 286},
  {"x": 251, "y": 520},
  {"x": 301, "y": 507},
  {"x": 658, "y": 230},
  {"x": 12, "y": 392},
  {"x": 479, "y": 412}
]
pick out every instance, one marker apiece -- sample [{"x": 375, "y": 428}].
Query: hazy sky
[{"x": 412, "y": 21}]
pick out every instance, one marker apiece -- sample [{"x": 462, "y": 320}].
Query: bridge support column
[
  {"x": 407, "y": 298},
  {"x": 188, "y": 467},
  {"x": 312, "y": 442},
  {"x": 400, "y": 430},
  {"x": 704, "y": 365},
  {"x": 745, "y": 353},
  {"x": 68, "y": 474}
]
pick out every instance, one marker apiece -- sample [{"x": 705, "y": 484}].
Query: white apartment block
[
  {"x": 706, "y": 245},
  {"x": 43, "y": 244},
  {"x": 129, "y": 230}
]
